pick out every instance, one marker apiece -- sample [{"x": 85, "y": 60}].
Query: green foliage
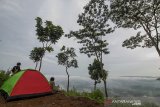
[
  {"x": 96, "y": 95},
  {"x": 37, "y": 53},
  {"x": 47, "y": 34},
  {"x": 94, "y": 72},
  {"x": 67, "y": 58},
  {"x": 3, "y": 76},
  {"x": 97, "y": 73},
  {"x": 104, "y": 75},
  {"x": 94, "y": 25},
  {"x": 138, "y": 14}
]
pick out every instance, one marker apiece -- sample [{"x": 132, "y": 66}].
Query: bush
[
  {"x": 96, "y": 95},
  {"x": 3, "y": 77}
]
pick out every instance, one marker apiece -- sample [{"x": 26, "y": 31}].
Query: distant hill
[{"x": 140, "y": 76}]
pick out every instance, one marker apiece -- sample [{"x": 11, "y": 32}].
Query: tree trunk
[
  {"x": 68, "y": 79},
  {"x": 40, "y": 65},
  {"x": 95, "y": 83},
  {"x": 36, "y": 65},
  {"x": 147, "y": 30},
  {"x": 158, "y": 50},
  {"x": 105, "y": 88},
  {"x": 104, "y": 80}
]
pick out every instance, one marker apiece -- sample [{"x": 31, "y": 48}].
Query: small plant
[
  {"x": 3, "y": 77},
  {"x": 96, "y": 95},
  {"x": 73, "y": 92}
]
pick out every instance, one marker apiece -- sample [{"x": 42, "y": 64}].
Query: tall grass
[{"x": 96, "y": 95}]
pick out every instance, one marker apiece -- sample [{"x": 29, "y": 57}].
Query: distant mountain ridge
[{"x": 140, "y": 76}]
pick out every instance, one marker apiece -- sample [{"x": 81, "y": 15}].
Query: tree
[
  {"x": 94, "y": 72},
  {"x": 67, "y": 58},
  {"x": 97, "y": 74},
  {"x": 138, "y": 14},
  {"x": 48, "y": 34},
  {"x": 36, "y": 55},
  {"x": 94, "y": 23}
]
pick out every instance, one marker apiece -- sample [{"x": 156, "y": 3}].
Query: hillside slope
[{"x": 55, "y": 100}]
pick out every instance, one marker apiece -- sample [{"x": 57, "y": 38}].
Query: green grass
[
  {"x": 96, "y": 95},
  {"x": 56, "y": 88}
]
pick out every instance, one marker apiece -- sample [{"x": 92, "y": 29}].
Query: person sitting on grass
[{"x": 52, "y": 83}]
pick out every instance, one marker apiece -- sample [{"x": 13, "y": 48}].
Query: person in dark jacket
[{"x": 16, "y": 68}]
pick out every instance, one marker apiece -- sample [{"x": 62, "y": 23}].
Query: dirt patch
[{"x": 55, "y": 100}]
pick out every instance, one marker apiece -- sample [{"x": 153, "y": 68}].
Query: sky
[{"x": 18, "y": 38}]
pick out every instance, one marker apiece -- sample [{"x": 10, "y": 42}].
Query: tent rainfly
[{"x": 24, "y": 84}]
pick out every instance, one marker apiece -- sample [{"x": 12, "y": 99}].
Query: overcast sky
[{"x": 17, "y": 35}]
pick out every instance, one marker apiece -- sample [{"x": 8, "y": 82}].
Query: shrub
[
  {"x": 96, "y": 95},
  {"x": 3, "y": 77}
]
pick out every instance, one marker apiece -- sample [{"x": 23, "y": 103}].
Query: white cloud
[{"x": 10, "y": 6}]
